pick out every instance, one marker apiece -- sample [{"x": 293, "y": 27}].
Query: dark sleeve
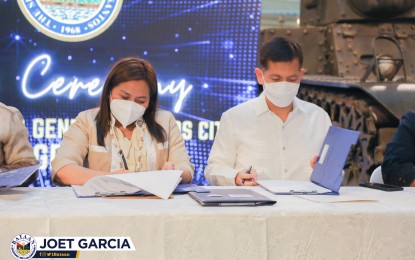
[{"x": 398, "y": 167}]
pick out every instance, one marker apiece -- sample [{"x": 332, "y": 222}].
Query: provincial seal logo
[
  {"x": 71, "y": 20},
  {"x": 23, "y": 246}
]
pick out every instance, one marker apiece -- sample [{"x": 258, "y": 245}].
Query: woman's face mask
[
  {"x": 129, "y": 100},
  {"x": 126, "y": 112}
]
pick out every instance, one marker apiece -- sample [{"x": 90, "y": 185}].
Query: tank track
[{"x": 351, "y": 111}]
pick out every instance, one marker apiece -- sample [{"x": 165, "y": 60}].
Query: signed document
[{"x": 159, "y": 183}]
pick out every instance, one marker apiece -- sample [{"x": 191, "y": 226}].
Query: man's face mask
[{"x": 281, "y": 94}]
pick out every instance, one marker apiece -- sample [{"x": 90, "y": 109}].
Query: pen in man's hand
[
  {"x": 249, "y": 172},
  {"x": 249, "y": 169}
]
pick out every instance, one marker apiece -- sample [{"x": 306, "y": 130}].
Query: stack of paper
[
  {"x": 159, "y": 183},
  {"x": 288, "y": 187}
]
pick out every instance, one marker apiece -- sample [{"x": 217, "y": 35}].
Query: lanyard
[{"x": 118, "y": 156}]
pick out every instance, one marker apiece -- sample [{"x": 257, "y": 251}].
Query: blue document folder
[
  {"x": 231, "y": 197},
  {"x": 189, "y": 187},
  {"x": 18, "y": 177},
  {"x": 333, "y": 154},
  {"x": 326, "y": 177}
]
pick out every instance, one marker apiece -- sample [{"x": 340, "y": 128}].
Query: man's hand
[
  {"x": 246, "y": 179},
  {"x": 313, "y": 161}
]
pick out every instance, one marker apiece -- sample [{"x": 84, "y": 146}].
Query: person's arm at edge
[
  {"x": 398, "y": 167},
  {"x": 18, "y": 150}
]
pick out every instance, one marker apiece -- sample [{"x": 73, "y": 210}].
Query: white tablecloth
[{"x": 179, "y": 228}]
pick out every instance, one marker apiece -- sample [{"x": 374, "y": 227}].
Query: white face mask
[
  {"x": 126, "y": 112},
  {"x": 281, "y": 94}
]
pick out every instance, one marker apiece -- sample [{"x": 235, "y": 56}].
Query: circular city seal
[
  {"x": 23, "y": 246},
  {"x": 71, "y": 20}
]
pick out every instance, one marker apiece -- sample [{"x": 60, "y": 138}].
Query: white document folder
[
  {"x": 287, "y": 187},
  {"x": 159, "y": 183}
]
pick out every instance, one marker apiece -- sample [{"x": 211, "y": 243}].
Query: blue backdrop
[{"x": 55, "y": 56}]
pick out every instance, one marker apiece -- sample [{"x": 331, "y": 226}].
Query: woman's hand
[
  {"x": 170, "y": 166},
  {"x": 121, "y": 171},
  {"x": 186, "y": 175}
]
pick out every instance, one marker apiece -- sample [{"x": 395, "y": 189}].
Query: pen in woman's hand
[{"x": 123, "y": 160}]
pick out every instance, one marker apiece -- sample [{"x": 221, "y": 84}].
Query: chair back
[{"x": 377, "y": 175}]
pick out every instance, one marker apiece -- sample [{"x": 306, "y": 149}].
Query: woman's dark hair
[{"x": 127, "y": 69}]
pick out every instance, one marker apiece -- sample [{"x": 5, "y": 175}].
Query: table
[{"x": 179, "y": 228}]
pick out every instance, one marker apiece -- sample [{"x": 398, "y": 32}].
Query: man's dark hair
[{"x": 280, "y": 49}]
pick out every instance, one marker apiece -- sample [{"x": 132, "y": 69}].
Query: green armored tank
[{"x": 359, "y": 59}]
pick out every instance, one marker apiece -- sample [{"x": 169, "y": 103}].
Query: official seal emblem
[
  {"x": 23, "y": 246},
  {"x": 71, "y": 20}
]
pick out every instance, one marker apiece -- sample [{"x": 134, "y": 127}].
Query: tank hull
[{"x": 362, "y": 107}]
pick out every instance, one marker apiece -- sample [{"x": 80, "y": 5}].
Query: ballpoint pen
[
  {"x": 249, "y": 172},
  {"x": 123, "y": 160},
  {"x": 303, "y": 192},
  {"x": 249, "y": 169}
]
